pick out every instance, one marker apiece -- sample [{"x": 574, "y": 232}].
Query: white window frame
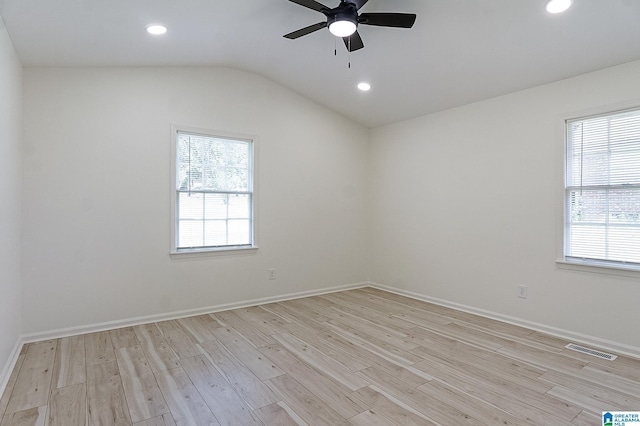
[
  {"x": 562, "y": 261},
  {"x": 213, "y": 251}
]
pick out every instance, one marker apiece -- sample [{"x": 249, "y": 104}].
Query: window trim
[
  {"x": 571, "y": 263},
  {"x": 211, "y": 251}
]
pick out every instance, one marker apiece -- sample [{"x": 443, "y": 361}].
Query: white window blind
[
  {"x": 602, "y": 190},
  {"x": 214, "y": 192}
]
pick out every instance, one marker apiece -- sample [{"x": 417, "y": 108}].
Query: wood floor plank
[
  {"x": 293, "y": 316},
  {"x": 461, "y": 333},
  {"x": 371, "y": 418},
  {"x": 515, "y": 387},
  {"x": 141, "y": 391},
  {"x": 596, "y": 390},
  {"x": 361, "y": 308},
  {"x": 249, "y": 355},
  {"x": 159, "y": 353},
  {"x": 186, "y": 405},
  {"x": 68, "y": 406},
  {"x": 332, "y": 393},
  {"x": 346, "y": 354},
  {"x": 486, "y": 413},
  {"x": 317, "y": 303},
  {"x": 485, "y": 362},
  {"x": 250, "y": 333},
  {"x": 31, "y": 389},
  {"x": 132, "y": 361},
  {"x": 604, "y": 375},
  {"x": 193, "y": 328},
  {"x": 380, "y": 327},
  {"x": 421, "y": 318},
  {"x": 248, "y": 386},
  {"x": 164, "y": 420},
  {"x": 208, "y": 321},
  {"x": 32, "y": 417},
  {"x": 105, "y": 396},
  {"x": 479, "y": 388},
  {"x": 478, "y": 356},
  {"x": 587, "y": 419},
  {"x": 320, "y": 361},
  {"x": 308, "y": 308},
  {"x": 261, "y": 319},
  {"x": 393, "y": 408},
  {"x": 312, "y": 409},
  {"x": 588, "y": 402},
  {"x": 4, "y": 401},
  {"x": 428, "y": 406},
  {"x": 98, "y": 348},
  {"x": 181, "y": 344},
  {"x": 69, "y": 367},
  {"x": 279, "y": 414},
  {"x": 123, "y": 337},
  {"x": 403, "y": 368},
  {"x": 219, "y": 395},
  {"x": 298, "y": 330},
  {"x": 373, "y": 344},
  {"x": 404, "y": 312}
]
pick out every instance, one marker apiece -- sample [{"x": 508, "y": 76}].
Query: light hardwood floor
[{"x": 358, "y": 357}]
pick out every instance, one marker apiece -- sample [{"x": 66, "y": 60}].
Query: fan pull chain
[
  {"x": 335, "y": 46},
  {"x": 349, "y": 52}
]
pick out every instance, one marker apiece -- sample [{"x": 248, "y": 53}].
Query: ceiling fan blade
[
  {"x": 353, "y": 42},
  {"x": 306, "y": 30},
  {"x": 311, "y": 4},
  {"x": 357, "y": 3},
  {"x": 398, "y": 20}
]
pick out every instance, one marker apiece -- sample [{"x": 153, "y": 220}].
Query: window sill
[
  {"x": 599, "y": 268},
  {"x": 226, "y": 251}
]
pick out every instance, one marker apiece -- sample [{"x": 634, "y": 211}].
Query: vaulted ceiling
[{"x": 458, "y": 51}]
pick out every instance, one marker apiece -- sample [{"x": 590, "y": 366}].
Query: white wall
[
  {"x": 460, "y": 206},
  {"x": 10, "y": 166},
  {"x": 97, "y": 191},
  {"x": 465, "y": 206}
]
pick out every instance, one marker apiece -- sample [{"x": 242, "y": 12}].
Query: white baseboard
[
  {"x": 110, "y": 325},
  {"x": 619, "y": 348},
  {"x": 10, "y": 364}
]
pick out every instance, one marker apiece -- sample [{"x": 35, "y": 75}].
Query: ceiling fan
[{"x": 344, "y": 19}]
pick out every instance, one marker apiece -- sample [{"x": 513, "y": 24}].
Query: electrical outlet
[
  {"x": 272, "y": 274},
  {"x": 522, "y": 291}
]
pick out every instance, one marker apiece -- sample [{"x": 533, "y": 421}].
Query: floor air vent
[{"x": 592, "y": 352}]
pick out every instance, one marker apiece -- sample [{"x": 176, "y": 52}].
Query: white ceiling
[{"x": 459, "y": 51}]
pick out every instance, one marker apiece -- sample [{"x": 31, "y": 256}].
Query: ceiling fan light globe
[
  {"x": 558, "y": 6},
  {"x": 156, "y": 29},
  {"x": 342, "y": 28}
]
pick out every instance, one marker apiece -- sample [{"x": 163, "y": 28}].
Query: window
[
  {"x": 213, "y": 197},
  {"x": 602, "y": 190}
]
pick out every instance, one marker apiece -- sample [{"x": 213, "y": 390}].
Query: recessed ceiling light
[
  {"x": 156, "y": 29},
  {"x": 558, "y": 6},
  {"x": 364, "y": 86}
]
